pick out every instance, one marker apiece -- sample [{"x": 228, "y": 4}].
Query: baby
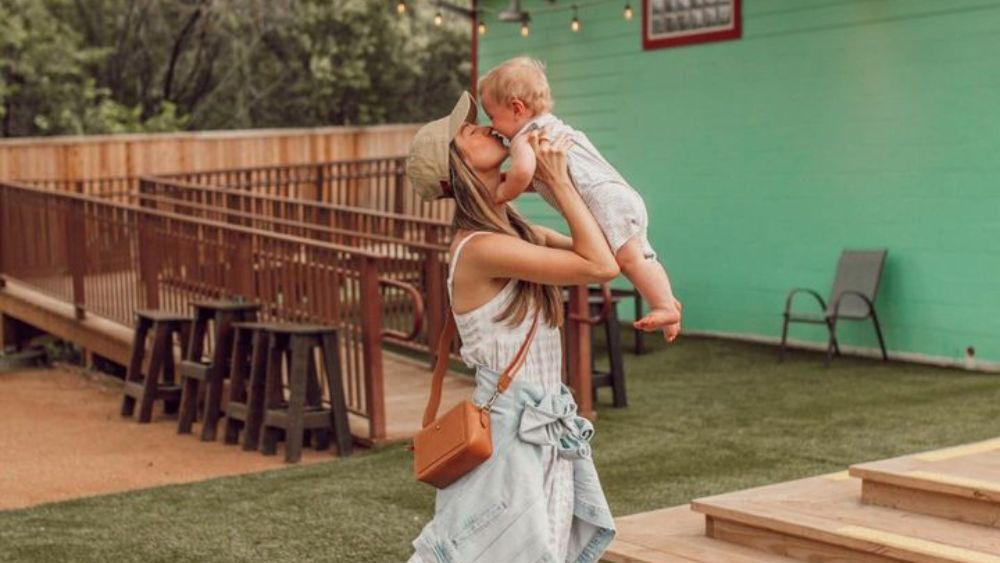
[{"x": 516, "y": 97}]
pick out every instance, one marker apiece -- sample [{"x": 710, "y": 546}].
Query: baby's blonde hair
[{"x": 522, "y": 78}]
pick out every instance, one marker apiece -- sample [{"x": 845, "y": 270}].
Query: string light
[{"x": 510, "y": 15}]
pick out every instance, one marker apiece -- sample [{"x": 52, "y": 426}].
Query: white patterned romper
[
  {"x": 616, "y": 206},
  {"x": 492, "y": 344}
]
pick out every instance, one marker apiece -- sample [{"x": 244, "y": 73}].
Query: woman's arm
[
  {"x": 588, "y": 259},
  {"x": 553, "y": 238}
]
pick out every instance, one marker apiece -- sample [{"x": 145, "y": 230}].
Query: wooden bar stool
[
  {"x": 636, "y": 297},
  {"x": 197, "y": 373},
  {"x": 614, "y": 376},
  {"x": 304, "y": 410},
  {"x": 248, "y": 370},
  {"x": 603, "y": 311},
  {"x": 147, "y": 389}
]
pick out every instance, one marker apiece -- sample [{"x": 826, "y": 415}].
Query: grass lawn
[{"x": 705, "y": 416}]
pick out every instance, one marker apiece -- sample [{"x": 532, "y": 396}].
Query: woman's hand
[{"x": 550, "y": 159}]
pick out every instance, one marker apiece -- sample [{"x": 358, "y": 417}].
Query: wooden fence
[{"x": 130, "y": 156}]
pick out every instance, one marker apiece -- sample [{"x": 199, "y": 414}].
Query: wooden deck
[
  {"x": 957, "y": 483},
  {"x": 407, "y": 387},
  {"x": 933, "y": 507},
  {"x": 407, "y": 382}
]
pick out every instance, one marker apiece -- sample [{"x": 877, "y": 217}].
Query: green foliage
[{"x": 110, "y": 66}]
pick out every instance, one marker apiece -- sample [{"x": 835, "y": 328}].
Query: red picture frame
[{"x": 671, "y": 23}]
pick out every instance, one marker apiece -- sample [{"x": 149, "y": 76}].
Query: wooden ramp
[
  {"x": 407, "y": 387},
  {"x": 406, "y": 381},
  {"x": 934, "y": 507}
]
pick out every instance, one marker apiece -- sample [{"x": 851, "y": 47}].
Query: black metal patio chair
[{"x": 852, "y": 298}]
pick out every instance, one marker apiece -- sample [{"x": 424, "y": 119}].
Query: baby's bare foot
[{"x": 659, "y": 319}]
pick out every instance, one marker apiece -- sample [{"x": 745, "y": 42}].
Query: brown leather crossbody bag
[{"x": 454, "y": 444}]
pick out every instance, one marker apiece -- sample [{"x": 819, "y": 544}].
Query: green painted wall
[{"x": 830, "y": 124}]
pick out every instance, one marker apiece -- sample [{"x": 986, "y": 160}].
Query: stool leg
[
  {"x": 640, "y": 343},
  {"x": 189, "y": 404},
  {"x": 614, "y": 339},
  {"x": 338, "y": 406},
  {"x": 134, "y": 372},
  {"x": 162, "y": 352},
  {"x": 594, "y": 310},
  {"x": 298, "y": 375},
  {"x": 255, "y": 395},
  {"x": 237, "y": 382},
  {"x": 216, "y": 374},
  {"x": 171, "y": 406},
  {"x": 319, "y": 438},
  {"x": 272, "y": 393}
]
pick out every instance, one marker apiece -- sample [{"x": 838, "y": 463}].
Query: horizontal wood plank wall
[
  {"x": 829, "y": 125},
  {"x": 103, "y": 156}
]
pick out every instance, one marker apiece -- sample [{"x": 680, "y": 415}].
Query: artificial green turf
[{"x": 705, "y": 416}]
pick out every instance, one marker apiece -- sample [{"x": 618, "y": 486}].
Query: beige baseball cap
[{"x": 427, "y": 163}]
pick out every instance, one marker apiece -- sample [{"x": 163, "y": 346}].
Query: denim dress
[{"x": 538, "y": 497}]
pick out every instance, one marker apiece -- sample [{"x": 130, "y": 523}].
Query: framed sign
[{"x": 668, "y": 23}]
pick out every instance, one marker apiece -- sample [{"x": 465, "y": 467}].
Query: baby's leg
[{"x": 649, "y": 277}]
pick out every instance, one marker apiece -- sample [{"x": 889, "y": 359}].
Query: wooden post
[
  {"x": 436, "y": 305},
  {"x": 319, "y": 183},
  {"x": 4, "y": 236},
  {"x": 148, "y": 263},
  {"x": 371, "y": 341},
  {"x": 242, "y": 268},
  {"x": 399, "y": 204},
  {"x": 8, "y": 332},
  {"x": 578, "y": 346},
  {"x": 76, "y": 252}
]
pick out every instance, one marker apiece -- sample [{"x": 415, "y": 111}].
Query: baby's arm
[{"x": 522, "y": 170}]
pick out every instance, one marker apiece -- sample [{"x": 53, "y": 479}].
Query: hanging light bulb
[
  {"x": 575, "y": 24},
  {"x": 482, "y": 28},
  {"x": 401, "y": 7},
  {"x": 438, "y": 18},
  {"x": 628, "y": 11},
  {"x": 525, "y": 29}
]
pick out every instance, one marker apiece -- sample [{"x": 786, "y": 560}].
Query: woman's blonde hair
[
  {"x": 522, "y": 78},
  {"x": 475, "y": 212}
]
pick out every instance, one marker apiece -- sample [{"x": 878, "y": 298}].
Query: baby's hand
[{"x": 522, "y": 169}]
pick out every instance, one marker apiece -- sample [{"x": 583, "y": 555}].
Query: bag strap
[{"x": 441, "y": 365}]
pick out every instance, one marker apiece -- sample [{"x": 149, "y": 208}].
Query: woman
[{"x": 538, "y": 497}]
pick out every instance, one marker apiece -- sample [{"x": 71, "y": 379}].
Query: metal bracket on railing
[{"x": 418, "y": 311}]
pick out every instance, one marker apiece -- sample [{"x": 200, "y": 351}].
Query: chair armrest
[
  {"x": 840, "y": 299},
  {"x": 797, "y": 290}
]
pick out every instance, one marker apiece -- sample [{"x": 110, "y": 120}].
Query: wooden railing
[
  {"x": 414, "y": 250},
  {"x": 110, "y": 258},
  {"x": 119, "y": 189},
  {"x": 378, "y": 184},
  {"x": 364, "y": 205}
]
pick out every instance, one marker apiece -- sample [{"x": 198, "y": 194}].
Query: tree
[{"x": 75, "y": 66}]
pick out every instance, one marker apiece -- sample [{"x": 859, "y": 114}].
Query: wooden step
[
  {"x": 675, "y": 535},
  {"x": 822, "y": 519},
  {"x": 960, "y": 483}
]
